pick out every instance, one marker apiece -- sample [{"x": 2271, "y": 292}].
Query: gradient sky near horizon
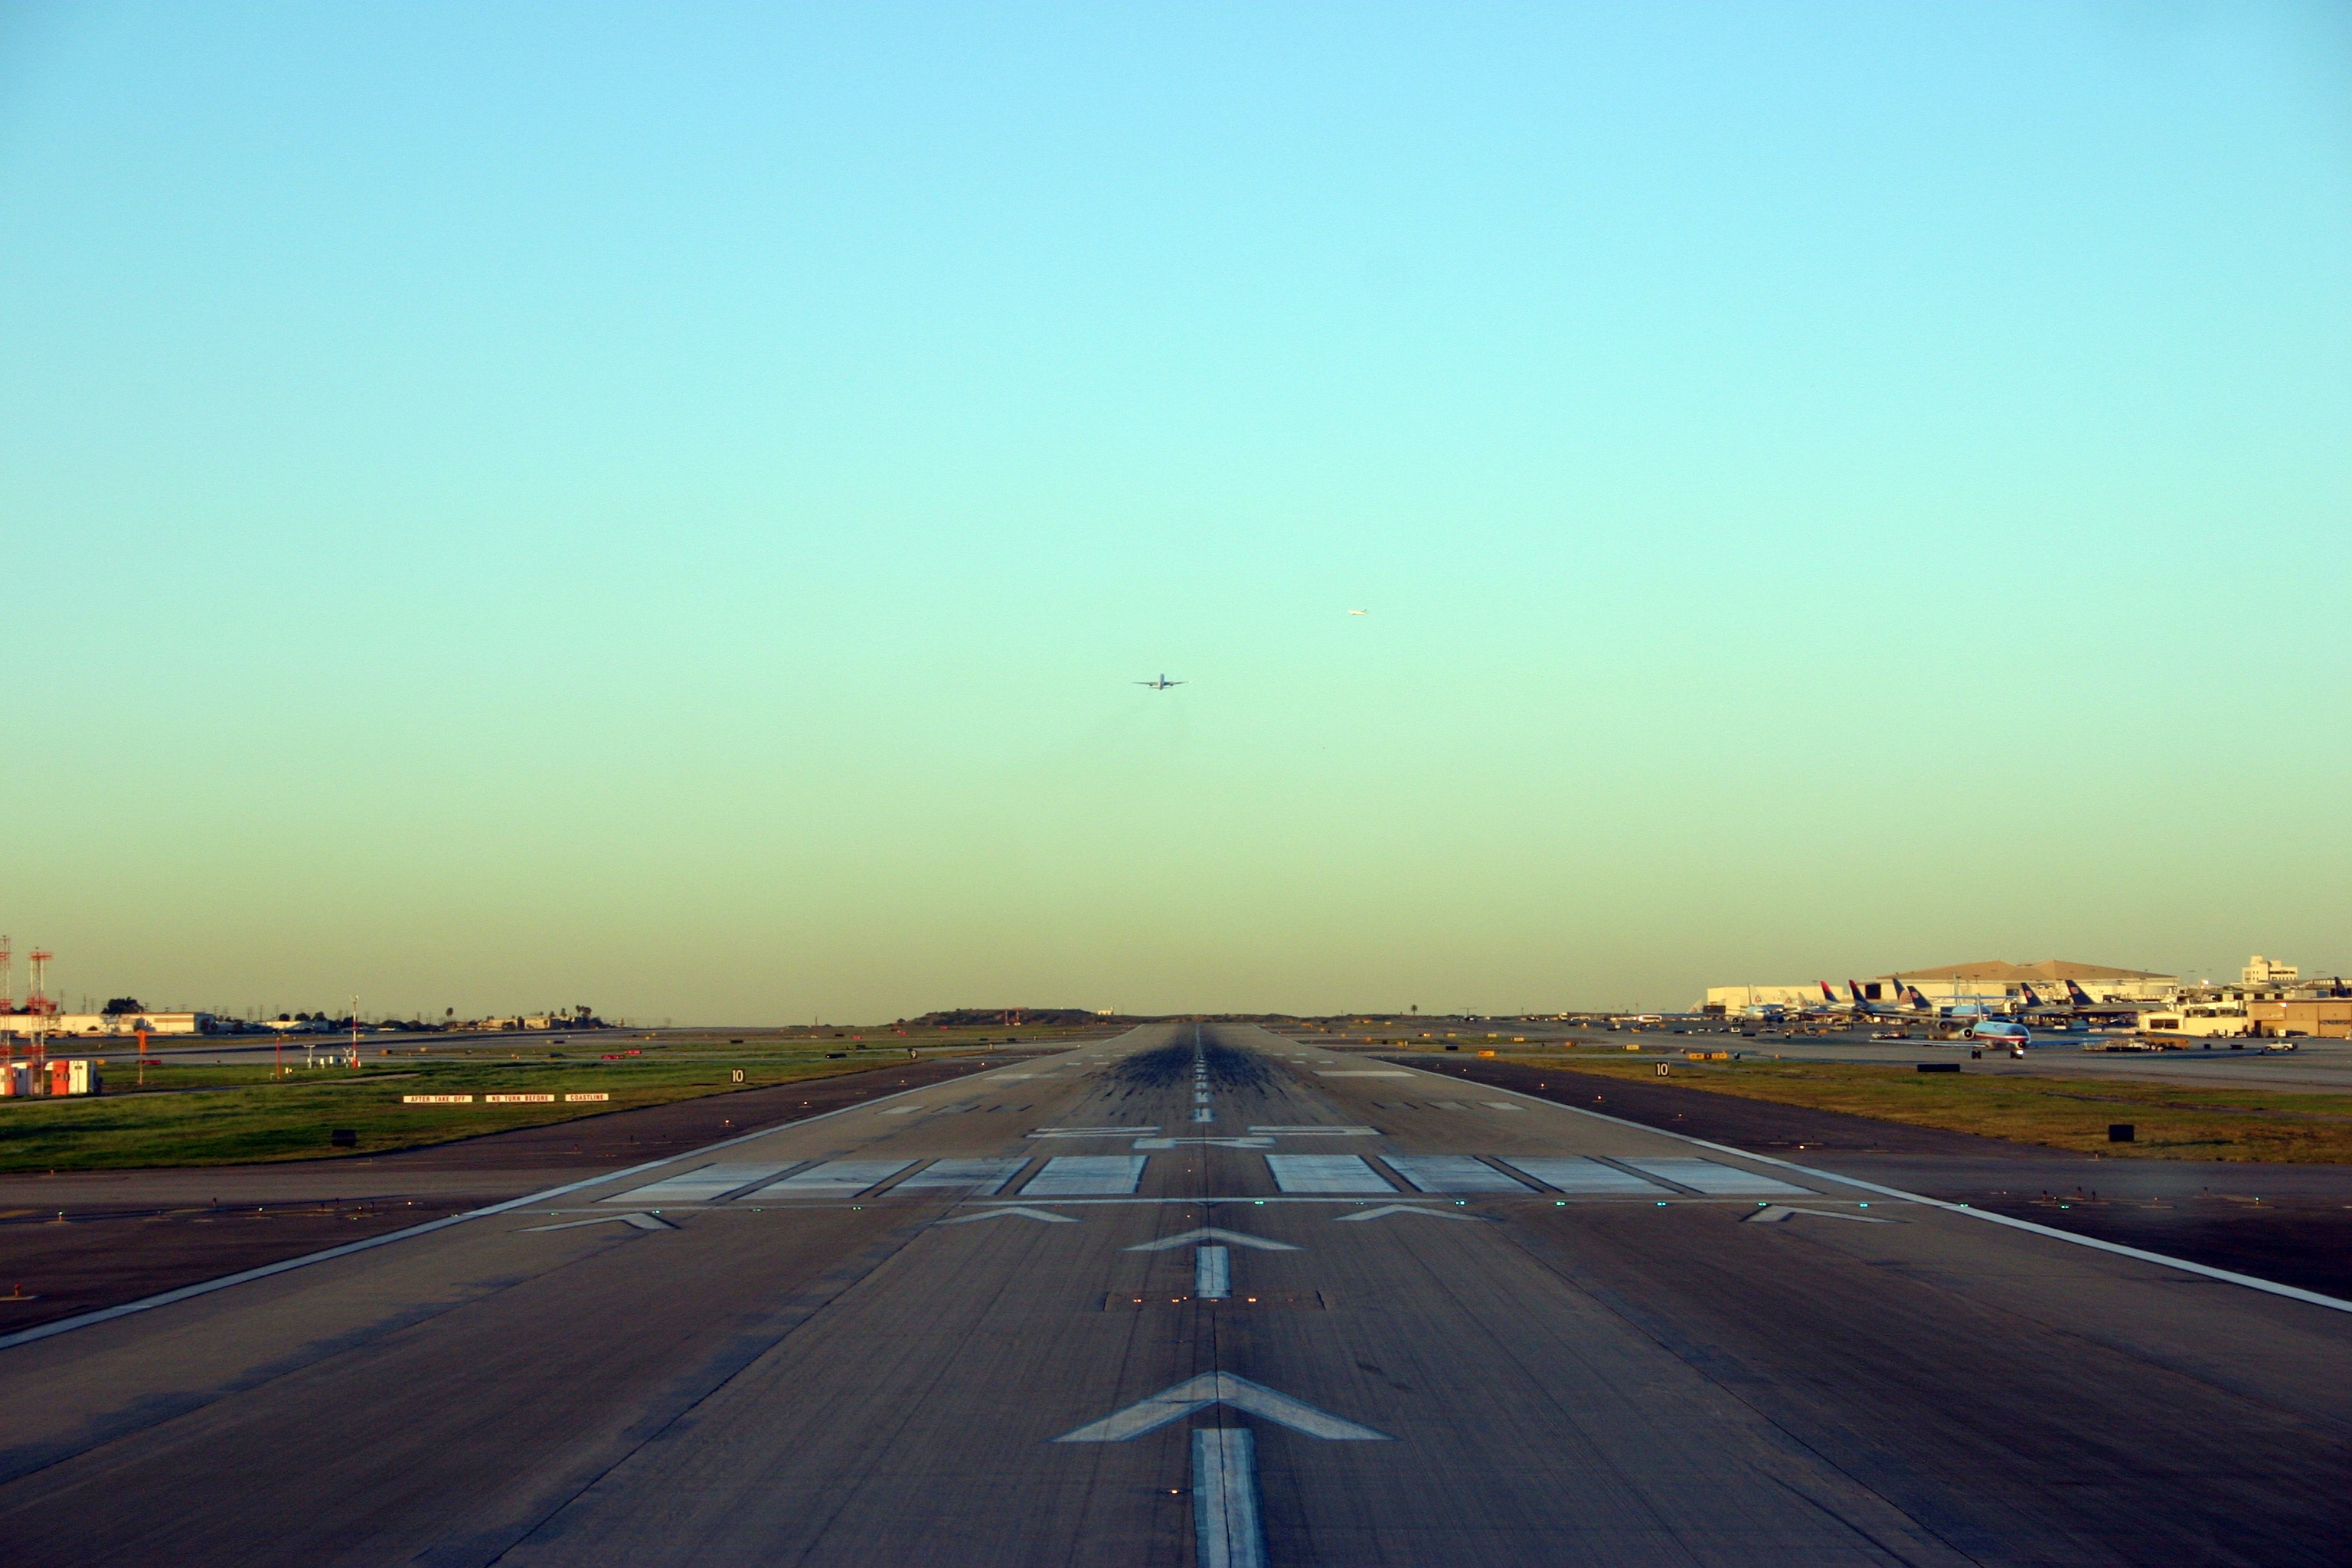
[{"x": 664, "y": 506}]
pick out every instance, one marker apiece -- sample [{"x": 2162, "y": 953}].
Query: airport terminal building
[
  {"x": 1991, "y": 982},
  {"x": 55, "y": 1025}
]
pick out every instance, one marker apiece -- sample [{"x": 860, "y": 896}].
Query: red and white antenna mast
[
  {"x": 8, "y": 975},
  {"x": 39, "y": 1002}
]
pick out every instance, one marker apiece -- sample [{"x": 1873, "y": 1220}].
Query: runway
[{"x": 1196, "y": 1296}]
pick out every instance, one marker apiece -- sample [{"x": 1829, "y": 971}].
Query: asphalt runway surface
[
  {"x": 2291, "y": 1223},
  {"x": 77, "y": 1240},
  {"x": 980, "y": 1323}
]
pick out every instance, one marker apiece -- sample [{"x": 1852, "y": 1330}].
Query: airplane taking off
[
  {"x": 1359, "y": 612},
  {"x": 1163, "y": 684}
]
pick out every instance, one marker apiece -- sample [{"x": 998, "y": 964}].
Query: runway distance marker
[
  {"x": 1017, "y": 1211},
  {"x": 1197, "y": 1393},
  {"x": 1211, "y": 1233}
]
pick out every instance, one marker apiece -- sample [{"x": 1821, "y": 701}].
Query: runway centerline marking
[{"x": 1225, "y": 1498}]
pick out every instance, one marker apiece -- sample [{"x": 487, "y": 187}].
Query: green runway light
[
  {"x": 1662, "y": 1203},
  {"x": 1559, "y": 1203}
]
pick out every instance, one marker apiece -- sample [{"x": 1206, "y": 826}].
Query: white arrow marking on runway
[
  {"x": 1773, "y": 1213},
  {"x": 1209, "y": 1233},
  {"x": 1213, "y": 1143},
  {"x": 1220, "y": 1388},
  {"x": 1016, "y": 1212},
  {"x": 642, "y": 1221},
  {"x": 1386, "y": 1209}
]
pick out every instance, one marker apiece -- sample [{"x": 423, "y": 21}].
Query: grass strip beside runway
[
  {"x": 237, "y": 1115},
  {"x": 2170, "y": 1121}
]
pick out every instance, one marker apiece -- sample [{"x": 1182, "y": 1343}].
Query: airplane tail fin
[
  {"x": 1854, "y": 991},
  {"x": 1911, "y": 997},
  {"x": 2031, "y": 999},
  {"x": 2077, "y": 995}
]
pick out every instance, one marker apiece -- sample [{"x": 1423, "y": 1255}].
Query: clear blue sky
[{"x": 662, "y": 505}]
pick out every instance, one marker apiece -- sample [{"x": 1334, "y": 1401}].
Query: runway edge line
[
  {"x": 2270, "y": 1287},
  {"x": 149, "y": 1303}
]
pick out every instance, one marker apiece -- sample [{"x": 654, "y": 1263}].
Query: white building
[
  {"x": 55, "y": 1025},
  {"x": 2261, "y": 971}
]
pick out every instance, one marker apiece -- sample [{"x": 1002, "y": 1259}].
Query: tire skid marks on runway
[
  {"x": 1452, "y": 1173},
  {"x": 834, "y": 1178},
  {"x": 1714, "y": 1178},
  {"x": 710, "y": 1183},
  {"x": 1326, "y": 1174},
  {"x": 1086, "y": 1175}
]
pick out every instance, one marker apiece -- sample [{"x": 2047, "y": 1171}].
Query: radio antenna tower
[
  {"x": 39, "y": 1002},
  {"x": 8, "y": 975}
]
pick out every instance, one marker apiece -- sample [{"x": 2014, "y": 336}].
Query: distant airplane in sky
[
  {"x": 1163, "y": 684},
  {"x": 1359, "y": 612}
]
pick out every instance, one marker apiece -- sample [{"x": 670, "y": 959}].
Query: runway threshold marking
[
  {"x": 369, "y": 1244},
  {"x": 1017, "y": 1211},
  {"x": 983, "y": 1175},
  {"x": 1225, "y": 1523},
  {"x": 1196, "y": 1393},
  {"x": 1581, "y": 1174},
  {"x": 1080, "y": 1175},
  {"x": 1715, "y": 1178},
  {"x": 1211, "y": 1233},
  {"x": 2204, "y": 1270},
  {"x": 1452, "y": 1173},
  {"x": 701, "y": 1186},
  {"x": 1326, "y": 1174}
]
